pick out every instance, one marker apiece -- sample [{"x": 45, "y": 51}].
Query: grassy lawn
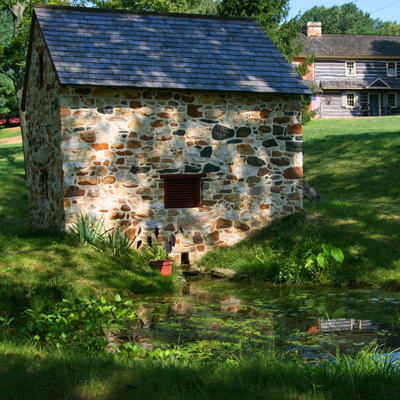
[
  {"x": 6, "y": 133},
  {"x": 354, "y": 165},
  {"x": 30, "y": 372}
]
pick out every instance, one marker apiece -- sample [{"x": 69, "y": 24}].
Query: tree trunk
[
  {"x": 17, "y": 11},
  {"x": 23, "y": 130}
]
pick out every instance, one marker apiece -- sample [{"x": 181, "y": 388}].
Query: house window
[
  {"x": 182, "y": 190},
  {"x": 350, "y": 68},
  {"x": 351, "y": 100},
  {"x": 392, "y": 99},
  {"x": 41, "y": 68},
  {"x": 391, "y": 69}
]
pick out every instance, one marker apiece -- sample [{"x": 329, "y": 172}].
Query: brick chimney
[{"x": 312, "y": 29}]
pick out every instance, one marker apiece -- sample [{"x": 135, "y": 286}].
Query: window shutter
[
  {"x": 344, "y": 99},
  {"x": 385, "y": 99},
  {"x": 398, "y": 99},
  {"x": 358, "y": 100},
  {"x": 182, "y": 190}
]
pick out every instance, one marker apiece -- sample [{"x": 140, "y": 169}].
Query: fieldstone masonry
[
  {"x": 43, "y": 126},
  {"x": 101, "y": 151}
]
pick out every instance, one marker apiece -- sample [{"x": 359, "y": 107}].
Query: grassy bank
[
  {"x": 28, "y": 371},
  {"x": 353, "y": 164},
  {"x": 35, "y": 267}
]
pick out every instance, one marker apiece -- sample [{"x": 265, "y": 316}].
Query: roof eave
[{"x": 351, "y": 57}]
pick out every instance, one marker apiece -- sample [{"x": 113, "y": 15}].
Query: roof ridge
[
  {"x": 139, "y": 12},
  {"x": 349, "y": 34}
]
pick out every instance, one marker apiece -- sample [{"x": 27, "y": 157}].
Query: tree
[
  {"x": 13, "y": 53},
  {"x": 348, "y": 19},
  {"x": 8, "y": 100},
  {"x": 180, "y": 6},
  {"x": 206, "y": 7},
  {"x": 272, "y": 16}
]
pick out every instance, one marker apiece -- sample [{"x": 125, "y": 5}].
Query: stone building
[{"x": 155, "y": 119}]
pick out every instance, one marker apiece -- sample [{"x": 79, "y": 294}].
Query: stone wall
[
  {"x": 117, "y": 143},
  {"x": 44, "y": 142}
]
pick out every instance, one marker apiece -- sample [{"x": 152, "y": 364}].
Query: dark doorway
[{"x": 374, "y": 101}]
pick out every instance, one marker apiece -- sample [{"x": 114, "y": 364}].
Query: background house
[
  {"x": 354, "y": 75},
  {"x": 154, "y": 119}
]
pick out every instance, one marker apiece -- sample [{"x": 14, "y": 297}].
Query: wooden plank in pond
[{"x": 310, "y": 193}]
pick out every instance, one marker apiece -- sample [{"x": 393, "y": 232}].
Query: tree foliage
[
  {"x": 348, "y": 19},
  {"x": 272, "y": 16},
  {"x": 180, "y": 6}
]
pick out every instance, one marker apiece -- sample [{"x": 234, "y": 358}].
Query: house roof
[
  {"x": 159, "y": 50},
  {"x": 351, "y": 45},
  {"x": 378, "y": 83}
]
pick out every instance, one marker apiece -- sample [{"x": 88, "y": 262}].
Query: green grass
[
  {"x": 14, "y": 207},
  {"x": 28, "y": 371},
  {"x": 6, "y": 133},
  {"x": 35, "y": 267},
  {"x": 354, "y": 165}
]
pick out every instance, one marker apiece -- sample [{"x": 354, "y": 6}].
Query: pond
[{"x": 214, "y": 319}]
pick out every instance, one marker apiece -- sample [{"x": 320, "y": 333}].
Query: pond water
[{"x": 216, "y": 319}]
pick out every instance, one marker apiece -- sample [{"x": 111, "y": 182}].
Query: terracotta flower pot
[{"x": 164, "y": 266}]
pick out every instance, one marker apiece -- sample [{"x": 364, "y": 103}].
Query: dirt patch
[{"x": 13, "y": 140}]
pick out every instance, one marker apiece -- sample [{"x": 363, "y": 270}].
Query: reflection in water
[{"x": 226, "y": 316}]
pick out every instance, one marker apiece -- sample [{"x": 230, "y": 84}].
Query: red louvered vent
[{"x": 181, "y": 190}]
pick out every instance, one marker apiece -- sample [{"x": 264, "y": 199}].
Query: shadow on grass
[
  {"x": 358, "y": 167},
  {"x": 11, "y": 159},
  {"x": 357, "y": 175},
  {"x": 42, "y": 374},
  {"x": 36, "y": 264},
  {"x": 14, "y": 207}
]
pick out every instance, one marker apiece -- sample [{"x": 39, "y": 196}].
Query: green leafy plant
[
  {"x": 92, "y": 233},
  {"x": 329, "y": 253},
  {"x": 5, "y": 321},
  {"x": 81, "y": 322},
  {"x": 303, "y": 266},
  {"x": 120, "y": 241}
]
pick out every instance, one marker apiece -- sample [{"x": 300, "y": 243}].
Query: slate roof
[
  {"x": 160, "y": 50},
  {"x": 351, "y": 45}
]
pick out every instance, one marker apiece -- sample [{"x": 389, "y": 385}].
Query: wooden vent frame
[{"x": 182, "y": 190}]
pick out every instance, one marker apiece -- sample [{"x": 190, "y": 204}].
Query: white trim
[
  {"x": 376, "y": 80},
  {"x": 395, "y": 68},
  {"x": 395, "y": 99},
  {"x": 354, "y": 100},
  {"x": 369, "y": 94},
  {"x": 354, "y": 67}
]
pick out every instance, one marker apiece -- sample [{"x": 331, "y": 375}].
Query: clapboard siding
[
  {"x": 331, "y": 105},
  {"x": 365, "y": 69}
]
